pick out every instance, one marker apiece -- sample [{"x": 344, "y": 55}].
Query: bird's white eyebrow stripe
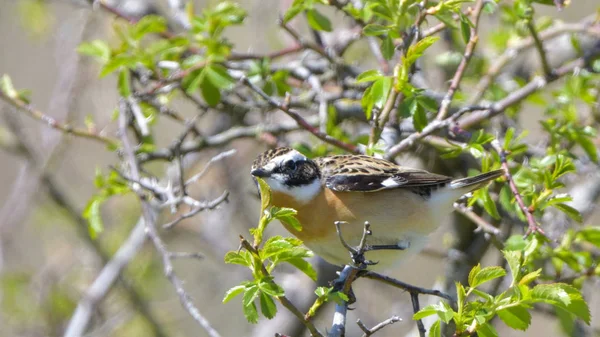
[{"x": 292, "y": 155}]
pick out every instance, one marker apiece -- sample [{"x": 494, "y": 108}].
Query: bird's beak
[{"x": 259, "y": 172}]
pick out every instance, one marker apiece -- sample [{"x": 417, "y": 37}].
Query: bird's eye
[{"x": 290, "y": 165}]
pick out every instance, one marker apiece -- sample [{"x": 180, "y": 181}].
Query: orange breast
[{"x": 383, "y": 209}]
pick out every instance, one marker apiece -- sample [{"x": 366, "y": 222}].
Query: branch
[
  {"x": 513, "y": 51},
  {"x": 486, "y": 112},
  {"x": 414, "y": 298},
  {"x": 477, "y": 220},
  {"x": 105, "y": 280},
  {"x": 301, "y": 121},
  {"x": 369, "y": 332},
  {"x": 405, "y": 286},
  {"x": 23, "y": 106},
  {"x": 458, "y": 75},
  {"x": 533, "y": 226},
  {"x": 338, "y": 325},
  {"x": 149, "y": 215},
  {"x": 540, "y": 49}
]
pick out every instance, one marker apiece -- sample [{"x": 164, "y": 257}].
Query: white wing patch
[{"x": 390, "y": 182}]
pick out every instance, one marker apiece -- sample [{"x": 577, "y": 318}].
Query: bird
[{"x": 402, "y": 205}]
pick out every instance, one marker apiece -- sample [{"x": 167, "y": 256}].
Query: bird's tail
[{"x": 475, "y": 182}]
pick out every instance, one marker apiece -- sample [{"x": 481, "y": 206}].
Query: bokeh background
[{"x": 46, "y": 258}]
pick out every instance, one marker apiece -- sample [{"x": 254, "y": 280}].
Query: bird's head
[{"x": 288, "y": 171}]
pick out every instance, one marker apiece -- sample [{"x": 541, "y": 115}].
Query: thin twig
[
  {"x": 540, "y": 49},
  {"x": 486, "y": 112},
  {"x": 533, "y": 225},
  {"x": 301, "y": 121},
  {"x": 405, "y": 286},
  {"x": 458, "y": 75},
  {"x": 369, "y": 332},
  {"x": 481, "y": 224},
  {"x": 149, "y": 215},
  {"x": 414, "y": 298},
  {"x": 202, "y": 207},
  {"x": 53, "y": 123},
  {"x": 515, "y": 49}
]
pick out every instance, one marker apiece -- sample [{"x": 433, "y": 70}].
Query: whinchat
[{"x": 403, "y": 205}]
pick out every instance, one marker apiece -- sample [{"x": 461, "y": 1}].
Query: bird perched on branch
[{"x": 403, "y": 205}]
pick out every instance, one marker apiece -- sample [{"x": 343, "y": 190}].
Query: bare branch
[
  {"x": 301, "y": 121},
  {"x": 369, "y": 332},
  {"x": 149, "y": 215},
  {"x": 457, "y": 78},
  {"x": 105, "y": 280},
  {"x": 25, "y": 107}
]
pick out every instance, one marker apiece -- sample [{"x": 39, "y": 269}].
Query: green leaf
[
  {"x": 233, "y": 292},
  {"x": 291, "y": 221},
  {"x": 369, "y": 76},
  {"x": 267, "y": 306},
  {"x": 485, "y": 275},
  {"x": 97, "y": 49},
  {"x": 588, "y": 146},
  {"x": 6, "y": 87},
  {"x": 515, "y": 317},
  {"x": 514, "y": 262},
  {"x": 387, "y": 47},
  {"x": 416, "y": 50},
  {"x": 124, "y": 84},
  {"x": 297, "y": 7},
  {"x": 375, "y": 30},
  {"x": 304, "y": 267},
  {"x": 270, "y": 288},
  {"x": 419, "y": 116},
  {"x": 590, "y": 234},
  {"x": 551, "y": 293},
  {"x": 251, "y": 313},
  {"x": 425, "y": 312},
  {"x": 487, "y": 330},
  {"x": 515, "y": 242},
  {"x": 530, "y": 277},
  {"x": 116, "y": 63},
  {"x": 488, "y": 203},
  {"x": 210, "y": 93},
  {"x": 465, "y": 29},
  {"x": 250, "y": 295},
  {"x": 443, "y": 310},
  {"x": 93, "y": 215},
  {"x": 570, "y": 211},
  {"x": 218, "y": 76},
  {"x": 563, "y": 296},
  {"x": 191, "y": 82},
  {"x": 435, "y": 330},
  {"x": 148, "y": 24},
  {"x": 380, "y": 91},
  {"x": 318, "y": 21},
  {"x": 237, "y": 258},
  {"x": 265, "y": 195}
]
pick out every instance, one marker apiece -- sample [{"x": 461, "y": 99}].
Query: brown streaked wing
[{"x": 351, "y": 173}]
